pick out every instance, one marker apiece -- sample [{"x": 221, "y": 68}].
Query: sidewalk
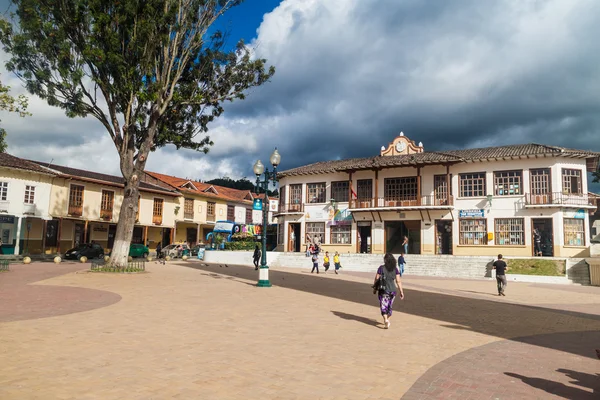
[{"x": 196, "y": 331}]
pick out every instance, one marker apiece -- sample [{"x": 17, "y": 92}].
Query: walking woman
[{"x": 389, "y": 288}]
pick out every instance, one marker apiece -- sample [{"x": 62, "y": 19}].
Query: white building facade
[{"x": 498, "y": 197}]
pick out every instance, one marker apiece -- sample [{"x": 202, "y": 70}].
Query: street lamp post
[{"x": 269, "y": 176}]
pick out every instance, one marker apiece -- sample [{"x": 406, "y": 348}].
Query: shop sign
[
  {"x": 257, "y": 205},
  {"x": 364, "y": 223},
  {"x": 471, "y": 213},
  {"x": 579, "y": 214},
  {"x": 100, "y": 228},
  {"x": 7, "y": 219}
]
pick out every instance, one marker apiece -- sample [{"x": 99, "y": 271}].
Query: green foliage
[
  {"x": 242, "y": 237},
  {"x": 536, "y": 267},
  {"x": 240, "y": 245},
  {"x": 11, "y": 104}
]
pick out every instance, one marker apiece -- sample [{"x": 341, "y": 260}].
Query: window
[
  {"x": 316, "y": 229},
  {"x": 280, "y": 230},
  {"x": 540, "y": 181},
  {"x": 364, "y": 189},
  {"x": 29, "y": 194},
  {"x": 400, "y": 188},
  {"x": 231, "y": 213},
  {"x": 76, "y": 196},
  {"x": 571, "y": 179},
  {"x": 107, "y": 202},
  {"x": 472, "y": 185},
  {"x": 507, "y": 183},
  {"x": 157, "y": 209},
  {"x": 574, "y": 232},
  {"x": 339, "y": 191},
  {"x": 282, "y": 199},
  {"x": 295, "y": 194},
  {"x": 473, "y": 232},
  {"x": 341, "y": 234},
  {"x": 315, "y": 193},
  {"x": 510, "y": 231},
  {"x": 188, "y": 208},
  {"x": 210, "y": 208},
  {"x": 440, "y": 187},
  {"x": 3, "y": 191},
  {"x": 248, "y": 216}
]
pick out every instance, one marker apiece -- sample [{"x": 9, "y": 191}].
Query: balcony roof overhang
[
  {"x": 402, "y": 208},
  {"x": 570, "y": 206}
]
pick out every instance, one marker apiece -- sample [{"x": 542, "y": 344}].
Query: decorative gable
[
  {"x": 210, "y": 189},
  {"x": 189, "y": 185},
  {"x": 249, "y": 196},
  {"x": 400, "y": 146}
]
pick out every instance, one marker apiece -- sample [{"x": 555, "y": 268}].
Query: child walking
[
  {"x": 326, "y": 261},
  {"x": 336, "y": 262},
  {"x": 315, "y": 261}
]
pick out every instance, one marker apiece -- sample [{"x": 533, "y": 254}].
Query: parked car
[
  {"x": 138, "y": 250},
  {"x": 89, "y": 250},
  {"x": 173, "y": 252}
]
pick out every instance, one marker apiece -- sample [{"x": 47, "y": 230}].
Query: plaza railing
[
  {"x": 132, "y": 266},
  {"x": 4, "y": 265}
]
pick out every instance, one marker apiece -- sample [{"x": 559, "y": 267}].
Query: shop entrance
[
  {"x": 166, "y": 237},
  {"x": 395, "y": 232},
  {"x": 364, "y": 237},
  {"x": 78, "y": 237},
  {"x": 294, "y": 237},
  {"x": 112, "y": 231},
  {"x": 191, "y": 235},
  {"x": 544, "y": 227},
  {"x": 443, "y": 237}
]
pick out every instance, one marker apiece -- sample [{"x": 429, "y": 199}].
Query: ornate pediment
[{"x": 401, "y": 145}]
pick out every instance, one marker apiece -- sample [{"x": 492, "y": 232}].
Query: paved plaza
[{"x": 194, "y": 331}]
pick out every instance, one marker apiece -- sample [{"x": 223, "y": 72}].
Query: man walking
[
  {"x": 501, "y": 268},
  {"x": 537, "y": 240}
]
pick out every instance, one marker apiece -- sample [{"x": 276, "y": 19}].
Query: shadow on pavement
[
  {"x": 517, "y": 322},
  {"x": 562, "y": 390},
  {"x": 352, "y": 317}
]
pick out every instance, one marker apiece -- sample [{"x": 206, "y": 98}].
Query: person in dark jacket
[{"x": 256, "y": 257}]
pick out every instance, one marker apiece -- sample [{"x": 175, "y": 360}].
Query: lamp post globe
[
  {"x": 275, "y": 158},
  {"x": 258, "y": 168}
]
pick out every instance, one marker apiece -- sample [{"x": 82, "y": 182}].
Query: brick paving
[{"x": 207, "y": 332}]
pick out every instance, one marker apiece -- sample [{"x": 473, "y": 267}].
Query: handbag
[{"x": 380, "y": 284}]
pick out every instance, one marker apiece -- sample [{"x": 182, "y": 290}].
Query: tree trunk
[{"x": 120, "y": 250}]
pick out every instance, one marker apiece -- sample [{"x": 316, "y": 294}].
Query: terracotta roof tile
[
  {"x": 437, "y": 157},
  {"x": 10, "y": 161}
]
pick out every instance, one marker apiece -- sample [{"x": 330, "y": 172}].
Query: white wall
[{"x": 17, "y": 180}]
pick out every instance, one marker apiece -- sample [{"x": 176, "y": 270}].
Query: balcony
[
  {"x": 28, "y": 209},
  {"x": 210, "y": 218},
  {"x": 75, "y": 211},
  {"x": 157, "y": 219},
  {"x": 188, "y": 215},
  {"x": 295, "y": 208},
  {"x": 106, "y": 215},
  {"x": 558, "y": 199},
  {"x": 4, "y": 205},
  {"x": 406, "y": 202}
]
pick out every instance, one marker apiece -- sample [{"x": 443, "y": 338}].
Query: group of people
[{"x": 326, "y": 262}]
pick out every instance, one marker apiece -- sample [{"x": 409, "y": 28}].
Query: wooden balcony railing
[
  {"x": 157, "y": 219},
  {"x": 106, "y": 214},
  {"x": 559, "y": 199},
  {"x": 188, "y": 215},
  {"x": 76, "y": 211},
  {"x": 402, "y": 202},
  {"x": 210, "y": 218},
  {"x": 291, "y": 208}
]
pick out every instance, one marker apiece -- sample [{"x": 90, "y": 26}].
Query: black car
[{"x": 89, "y": 250}]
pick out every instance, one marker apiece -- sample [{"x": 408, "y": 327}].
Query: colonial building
[{"x": 465, "y": 202}]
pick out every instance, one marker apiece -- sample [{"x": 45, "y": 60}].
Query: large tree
[{"x": 153, "y": 72}]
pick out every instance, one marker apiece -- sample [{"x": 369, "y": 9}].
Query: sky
[{"x": 352, "y": 74}]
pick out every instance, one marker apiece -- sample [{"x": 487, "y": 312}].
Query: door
[
  {"x": 112, "y": 231},
  {"x": 79, "y": 232},
  {"x": 138, "y": 235},
  {"x": 546, "y": 240},
  {"x": 294, "y": 237},
  {"x": 364, "y": 239},
  {"x": 443, "y": 237},
  {"x": 191, "y": 236},
  {"x": 166, "y": 237}
]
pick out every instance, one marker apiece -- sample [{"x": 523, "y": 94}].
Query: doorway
[
  {"x": 78, "y": 237},
  {"x": 191, "y": 235},
  {"x": 364, "y": 237},
  {"x": 138, "y": 235},
  {"x": 166, "y": 237},
  {"x": 112, "y": 231},
  {"x": 545, "y": 228},
  {"x": 294, "y": 238},
  {"x": 443, "y": 237},
  {"x": 394, "y": 236}
]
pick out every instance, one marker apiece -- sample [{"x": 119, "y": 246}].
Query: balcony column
[
  {"x": 44, "y": 230},
  {"x": 350, "y": 189},
  {"x": 376, "y": 194},
  {"x": 85, "y": 230},
  {"x": 145, "y": 239},
  {"x": 448, "y": 192},
  {"x": 58, "y": 235},
  {"x": 18, "y": 235},
  {"x": 418, "y": 186},
  {"x": 198, "y": 240}
]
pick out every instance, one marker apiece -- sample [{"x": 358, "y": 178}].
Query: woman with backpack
[{"x": 388, "y": 285}]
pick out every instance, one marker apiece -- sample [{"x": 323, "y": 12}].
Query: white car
[{"x": 173, "y": 251}]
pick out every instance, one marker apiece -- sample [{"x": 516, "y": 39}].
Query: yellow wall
[
  {"x": 571, "y": 251},
  {"x": 492, "y": 251}
]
